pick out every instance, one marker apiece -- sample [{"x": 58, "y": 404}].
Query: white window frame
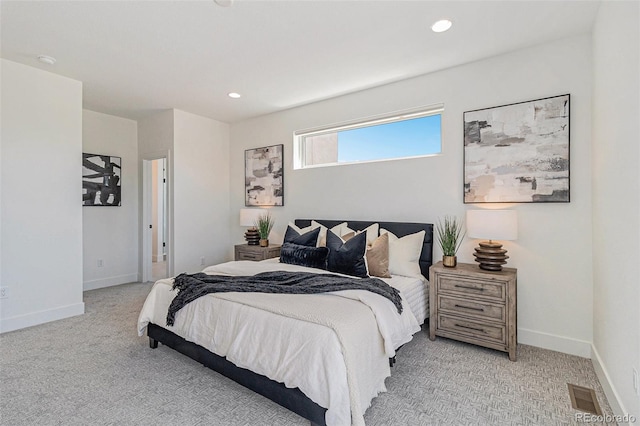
[{"x": 300, "y": 135}]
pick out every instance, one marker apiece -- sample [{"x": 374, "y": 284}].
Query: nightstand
[
  {"x": 247, "y": 252},
  {"x": 474, "y": 306}
]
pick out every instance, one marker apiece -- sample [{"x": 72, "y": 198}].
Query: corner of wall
[
  {"x": 553, "y": 342},
  {"x": 613, "y": 397}
]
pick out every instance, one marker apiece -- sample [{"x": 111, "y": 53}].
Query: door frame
[{"x": 147, "y": 211}]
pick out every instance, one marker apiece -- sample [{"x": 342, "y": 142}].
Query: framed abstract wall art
[
  {"x": 263, "y": 176},
  {"x": 101, "y": 180},
  {"x": 518, "y": 153}
]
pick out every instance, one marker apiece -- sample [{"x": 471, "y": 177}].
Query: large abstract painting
[
  {"x": 263, "y": 176},
  {"x": 517, "y": 153},
  {"x": 101, "y": 180}
]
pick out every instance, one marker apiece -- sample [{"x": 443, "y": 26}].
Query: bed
[{"x": 215, "y": 329}]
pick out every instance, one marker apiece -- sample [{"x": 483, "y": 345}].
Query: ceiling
[{"x": 136, "y": 57}]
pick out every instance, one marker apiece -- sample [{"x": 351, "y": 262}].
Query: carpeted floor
[{"x": 95, "y": 370}]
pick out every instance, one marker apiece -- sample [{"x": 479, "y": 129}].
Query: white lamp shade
[
  {"x": 248, "y": 217},
  {"x": 492, "y": 224}
]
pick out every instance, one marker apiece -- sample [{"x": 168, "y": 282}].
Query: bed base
[{"x": 290, "y": 398}]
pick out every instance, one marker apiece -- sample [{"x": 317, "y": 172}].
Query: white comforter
[{"x": 334, "y": 347}]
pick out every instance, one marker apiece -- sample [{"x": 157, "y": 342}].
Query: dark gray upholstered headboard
[{"x": 400, "y": 229}]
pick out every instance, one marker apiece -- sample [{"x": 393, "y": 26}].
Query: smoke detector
[{"x": 49, "y": 60}]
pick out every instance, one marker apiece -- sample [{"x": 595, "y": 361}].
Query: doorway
[{"x": 156, "y": 219}]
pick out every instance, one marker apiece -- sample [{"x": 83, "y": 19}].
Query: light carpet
[{"x": 94, "y": 370}]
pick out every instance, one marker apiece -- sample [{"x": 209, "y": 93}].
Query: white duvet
[{"x": 334, "y": 347}]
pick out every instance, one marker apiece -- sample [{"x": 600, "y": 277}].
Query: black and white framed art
[
  {"x": 518, "y": 153},
  {"x": 263, "y": 176},
  {"x": 101, "y": 180}
]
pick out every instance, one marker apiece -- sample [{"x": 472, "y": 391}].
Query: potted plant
[
  {"x": 264, "y": 223},
  {"x": 450, "y": 237}
]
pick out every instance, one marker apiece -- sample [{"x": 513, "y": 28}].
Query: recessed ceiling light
[
  {"x": 46, "y": 59},
  {"x": 224, "y": 3},
  {"x": 234, "y": 95},
  {"x": 441, "y": 26}
]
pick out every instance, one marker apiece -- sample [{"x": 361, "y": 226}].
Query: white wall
[
  {"x": 111, "y": 233},
  {"x": 41, "y": 196},
  {"x": 616, "y": 201},
  {"x": 553, "y": 251},
  {"x": 201, "y": 192},
  {"x": 155, "y": 133}
]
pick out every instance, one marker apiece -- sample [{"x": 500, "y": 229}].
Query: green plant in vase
[
  {"x": 450, "y": 235},
  {"x": 264, "y": 224}
]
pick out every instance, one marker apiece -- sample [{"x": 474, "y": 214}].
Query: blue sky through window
[{"x": 418, "y": 136}]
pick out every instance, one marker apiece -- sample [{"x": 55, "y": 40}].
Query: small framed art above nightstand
[
  {"x": 474, "y": 306},
  {"x": 247, "y": 252}
]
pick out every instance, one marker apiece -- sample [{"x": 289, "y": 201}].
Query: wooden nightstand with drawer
[
  {"x": 247, "y": 252},
  {"x": 474, "y": 306}
]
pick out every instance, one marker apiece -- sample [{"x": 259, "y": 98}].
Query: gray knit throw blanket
[{"x": 191, "y": 287}]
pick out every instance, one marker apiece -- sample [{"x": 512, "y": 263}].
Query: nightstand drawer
[
  {"x": 475, "y": 287},
  {"x": 472, "y": 328},
  {"x": 472, "y": 307},
  {"x": 243, "y": 255},
  {"x": 255, "y": 252}
]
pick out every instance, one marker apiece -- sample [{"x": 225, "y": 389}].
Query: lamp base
[
  {"x": 252, "y": 236},
  {"x": 491, "y": 256}
]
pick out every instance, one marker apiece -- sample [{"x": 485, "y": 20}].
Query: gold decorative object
[{"x": 449, "y": 261}]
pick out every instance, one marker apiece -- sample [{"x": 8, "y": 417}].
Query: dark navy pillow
[
  {"x": 296, "y": 254},
  {"x": 307, "y": 239},
  {"x": 347, "y": 257}
]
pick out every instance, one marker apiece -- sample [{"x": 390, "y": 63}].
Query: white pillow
[
  {"x": 303, "y": 230},
  {"x": 322, "y": 238},
  {"x": 371, "y": 230},
  {"x": 404, "y": 254}
]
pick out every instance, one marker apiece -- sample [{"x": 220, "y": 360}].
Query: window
[{"x": 400, "y": 135}]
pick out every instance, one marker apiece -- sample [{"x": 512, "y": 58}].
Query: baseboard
[
  {"x": 609, "y": 390},
  {"x": 555, "y": 343},
  {"x": 110, "y": 281},
  {"x": 41, "y": 317}
]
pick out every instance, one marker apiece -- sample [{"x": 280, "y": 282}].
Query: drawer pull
[
  {"x": 471, "y": 328},
  {"x": 470, "y": 307},
  {"x": 470, "y": 288}
]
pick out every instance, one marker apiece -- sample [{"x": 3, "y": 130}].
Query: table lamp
[
  {"x": 248, "y": 217},
  {"x": 492, "y": 225}
]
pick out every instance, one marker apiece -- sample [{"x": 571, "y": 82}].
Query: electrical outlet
[
  {"x": 202, "y": 261},
  {"x": 636, "y": 385},
  {"x": 4, "y": 292},
  {"x": 100, "y": 263}
]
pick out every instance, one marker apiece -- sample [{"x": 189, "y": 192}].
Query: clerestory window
[{"x": 406, "y": 134}]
